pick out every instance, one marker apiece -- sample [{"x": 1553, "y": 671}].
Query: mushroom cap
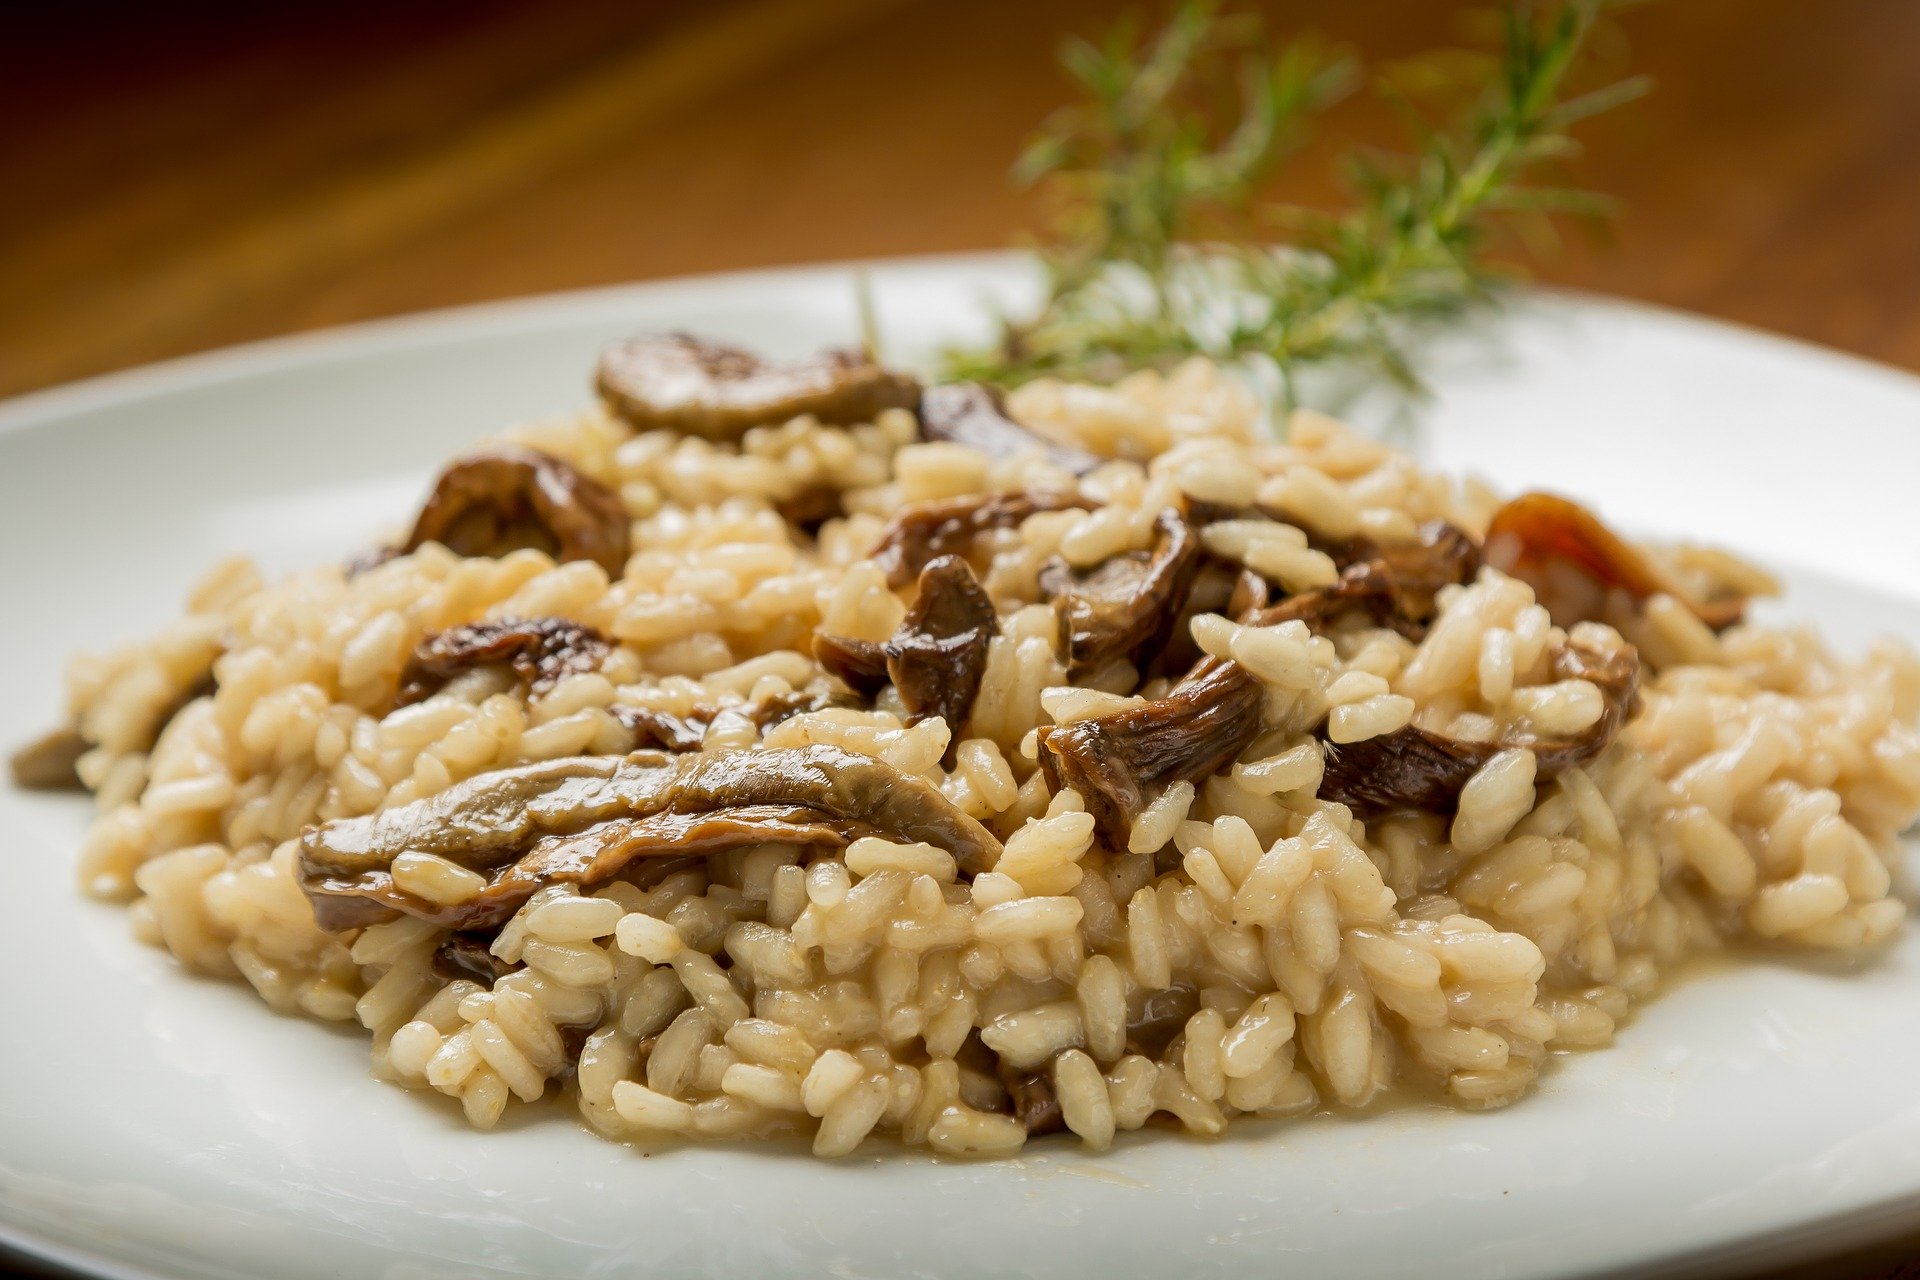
[{"x": 677, "y": 382}]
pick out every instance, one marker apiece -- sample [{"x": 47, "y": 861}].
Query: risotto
[{"x": 796, "y": 750}]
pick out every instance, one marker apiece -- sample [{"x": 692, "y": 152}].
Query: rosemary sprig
[{"x": 1152, "y": 260}]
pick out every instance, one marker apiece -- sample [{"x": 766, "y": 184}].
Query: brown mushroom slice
[
  {"x": 469, "y": 954},
  {"x": 1250, "y": 595},
  {"x": 860, "y": 664},
  {"x": 1120, "y": 761},
  {"x": 665, "y": 731},
  {"x": 1441, "y": 555},
  {"x": 1534, "y": 533},
  {"x": 1219, "y": 586},
  {"x": 1415, "y": 768},
  {"x": 926, "y": 531},
  {"x": 840, "y": 784},
  {"x": 677, "y": 382},
  {"x": 590, "y": 857},
  {"x": 662, "y": 730},
  {"x": 813, "y": 506},
  {"x": 509, "y": 499},
  {"x": 48, "y": 763},
  {"x": 1033, "y": 1100},
  {"x": 972, "y": 414},
  {"x": 939, "y": 652},
  {"x": 1399, "y": 582},
  {"x": 1127, "y": 606},
  {"x": 1160, "y": 1019},
  {"x": 484, "y": 821},
  {"x": 541, "y": 652},
  {"x": 1397, "y": 585},
  {"x": 495, "y": 822}
]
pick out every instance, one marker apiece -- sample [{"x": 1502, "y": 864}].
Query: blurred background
[{"x": 189, "y": 175}]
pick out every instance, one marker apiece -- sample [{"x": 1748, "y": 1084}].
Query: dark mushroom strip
[
  {"x": 677, "y": 382},
  {"x": 1443, "y": 555},
  {"x": 665, "y": 731},
  {"x": 1033, "y": 1100},
  {"x": 926, "y": 531},
  {"x": 843, "y": 785},
  {"x": 860, "y": 664},
  {"x": 537, "y": 824},
  {"x": 48, "y": 762},
  {"x": 1398, "y": 586},
  {"x": 587, "y": 858},
  {"x": 1250, "y": 596},
  {"x": 1399, "y": 582},
  {"x": 972, "y": 414},
  {"x": 1126, "y": 606},
  {"x": 1219, "y": 586},
  {"x": 662, "y": 730},
  {"x": 1532, "y": 533},
  {"x": 939, "y": 652},
  {"x": 812, "y": 507},
  {"x": 1415, "y": 768},
  {"x": 468, "y": 955},
  {"x": 1118, "y": 762},
  {"x": 487, "y": 819},
  {"x": 1162, "y": 1016},
  {"x": 509, "y": 499},
  {"x": 540, "y": 651}
]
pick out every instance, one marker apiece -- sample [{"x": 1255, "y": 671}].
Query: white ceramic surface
[{"x": 156, "y": 1124}]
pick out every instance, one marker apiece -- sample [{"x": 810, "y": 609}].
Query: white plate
[{"x": 153, "y": 1123}]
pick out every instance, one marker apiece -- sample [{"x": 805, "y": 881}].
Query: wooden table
[
  {"x": 181, "y": 177},
  {"x": 182, "y": 180}
]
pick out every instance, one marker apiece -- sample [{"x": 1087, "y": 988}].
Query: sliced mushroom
[
  {"x": 677, "y": 382},
  {"x": 469, "y": 955},
  {"x": 661, "y": 730},
  {"x": 860, "y": 664},
  {"x": 665, "y": 731},
  {"x": 813, "y": 506},
  {"x": 936, "y": 656},
  {"x": 582, "y": 820},
  {"x": 1033, "y": 1100},
  {"x": 939, "y": 652},
  {"x": 1161, "y": 1017},
  {"x": 1219, "y": 586},
  {"x": 1126, "y": 606},
  {"x": 540, "y": 651},
  {"x": 48, "y": 762},
  {"x": 1415, "y": 768},
  {"x": 589, "y": 857},
  {"x": 508, "y": 499},
  {"x": 1536, "y": 533},
  {"x": 1249, "y": 596},
  {"x": 972, "y": 414},
  {"x": 953, "y": 526},
  {"x": 1120, "y": 761},
  {"x": 1442, "y": 555},
  {"x": 1397, "y": 585}
]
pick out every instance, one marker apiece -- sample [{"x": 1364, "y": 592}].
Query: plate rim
[
  {"x": 48, "y": 408},
  {"x": 306, "y": 347}
]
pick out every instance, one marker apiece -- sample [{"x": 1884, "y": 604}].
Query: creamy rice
[{"x": 1320, "y": 960}]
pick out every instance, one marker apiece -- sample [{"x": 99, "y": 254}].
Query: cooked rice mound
[{"x": 1254, "y": 949}]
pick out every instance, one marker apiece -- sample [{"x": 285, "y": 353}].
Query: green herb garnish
[{"x": 1159, "y": 253}]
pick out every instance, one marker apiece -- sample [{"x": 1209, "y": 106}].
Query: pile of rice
[{"x": 1757, "y": 795}]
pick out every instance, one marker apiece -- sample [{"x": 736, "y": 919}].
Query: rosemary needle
[{"x": 1153, "y": 257}]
